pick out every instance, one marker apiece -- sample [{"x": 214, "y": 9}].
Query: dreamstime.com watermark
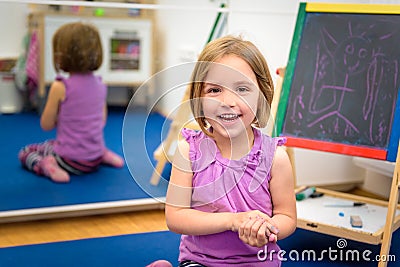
[{"x": 340, "y": 253}]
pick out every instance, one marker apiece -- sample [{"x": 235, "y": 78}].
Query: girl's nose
[{"x": 229, "y": 98}]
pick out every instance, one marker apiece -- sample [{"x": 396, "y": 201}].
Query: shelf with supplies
[{"x": 125, "y": 51}]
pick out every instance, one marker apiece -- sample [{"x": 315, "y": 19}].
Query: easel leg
[{"x": 392, "y": 206}]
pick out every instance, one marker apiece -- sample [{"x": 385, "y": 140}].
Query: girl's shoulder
[{"x": 57, "y": 89}]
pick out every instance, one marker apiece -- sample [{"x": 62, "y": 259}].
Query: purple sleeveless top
[
  {"x": 80, "y": 119},
  {"x": 223, "y": 185}
]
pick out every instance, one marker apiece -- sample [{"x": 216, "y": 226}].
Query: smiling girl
[{"x": 231, "y": 187}]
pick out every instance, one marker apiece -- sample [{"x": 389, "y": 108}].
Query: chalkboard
[{"x": 341, "y": 87}]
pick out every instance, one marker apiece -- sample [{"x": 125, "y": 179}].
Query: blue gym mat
[
  {"x": 133, "y": 250},
  {"x": 21, "y": 189},
  {"x": 303, "y": 248}
]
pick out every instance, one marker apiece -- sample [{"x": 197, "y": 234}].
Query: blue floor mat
[
  {"x": 141, "y": 249},
  {"x": 133, "y": 250},
  {"x": 21, "y": 189}
]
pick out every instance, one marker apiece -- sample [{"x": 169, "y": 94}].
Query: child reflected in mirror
[{"x": 76, "y": 107}]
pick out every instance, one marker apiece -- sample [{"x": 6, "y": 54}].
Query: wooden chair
[{"x": 165, "y": 151}]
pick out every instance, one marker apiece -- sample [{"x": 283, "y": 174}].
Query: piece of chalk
[
  {"x": 305, "y": 193},
  {"x": 274, "y": 229}
]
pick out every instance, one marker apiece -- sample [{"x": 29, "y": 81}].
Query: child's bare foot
[
  {"x": 112, "y": 159},
  {"x": 51, "y": 169}
]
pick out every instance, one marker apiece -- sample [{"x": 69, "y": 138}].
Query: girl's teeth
[{"x": 229, "y": 116}]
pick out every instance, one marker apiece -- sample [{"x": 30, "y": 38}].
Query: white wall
[
  {"x": 269, "y": 24},
  {"x": 181, "y": 34},
  {"x": 12, "y": 29}
]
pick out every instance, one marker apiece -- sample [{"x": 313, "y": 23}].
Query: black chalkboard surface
[{"x": 342, "y": 84}]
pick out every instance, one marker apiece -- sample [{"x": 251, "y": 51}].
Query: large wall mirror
[{"x": 136, "y": 44}]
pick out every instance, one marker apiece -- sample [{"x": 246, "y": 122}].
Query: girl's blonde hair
[
  {"x": 231, "y": 45},
  {"x": 77, "y": 48}
]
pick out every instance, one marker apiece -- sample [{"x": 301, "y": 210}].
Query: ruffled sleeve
[
  {"x": 190, "y": 137},
  {"x": 280, "y": 141},
  {"x": 202, "y": 150},
  {"x": 262, "y": 159}
]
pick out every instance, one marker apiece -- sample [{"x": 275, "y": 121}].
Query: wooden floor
[
  {"x": 43, "y": 231},
  {"x": 36, "y": 232}
]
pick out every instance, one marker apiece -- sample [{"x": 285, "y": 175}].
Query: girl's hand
[{"x": 255, "y": 228}]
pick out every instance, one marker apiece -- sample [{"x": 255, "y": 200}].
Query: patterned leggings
[{"x": 31, "y": 156}]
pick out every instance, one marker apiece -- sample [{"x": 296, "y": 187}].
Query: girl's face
[{"x": 230, "y": 97}]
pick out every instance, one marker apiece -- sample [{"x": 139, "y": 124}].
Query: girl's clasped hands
[{"x": 255, "y": 228}]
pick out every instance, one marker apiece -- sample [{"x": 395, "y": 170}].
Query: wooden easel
[
  {"x": 392, "y": 223},
  {"x": 301, "y": 54}
]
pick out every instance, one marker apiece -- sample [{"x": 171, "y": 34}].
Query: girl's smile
[{"x": 229, "y": 117}]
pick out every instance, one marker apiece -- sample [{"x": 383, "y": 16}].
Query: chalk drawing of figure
[{"x": 338, "y": 61}]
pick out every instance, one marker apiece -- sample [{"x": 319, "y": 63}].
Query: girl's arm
[
  {"x": 179, "y": 216},
  {"x": 56, "y": 95},
  {"x": 282, "y": 193}
]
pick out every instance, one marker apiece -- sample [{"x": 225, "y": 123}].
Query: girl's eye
[
  {"x": 213, "y": 90},
  {"x": 242, "y": 89}
]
